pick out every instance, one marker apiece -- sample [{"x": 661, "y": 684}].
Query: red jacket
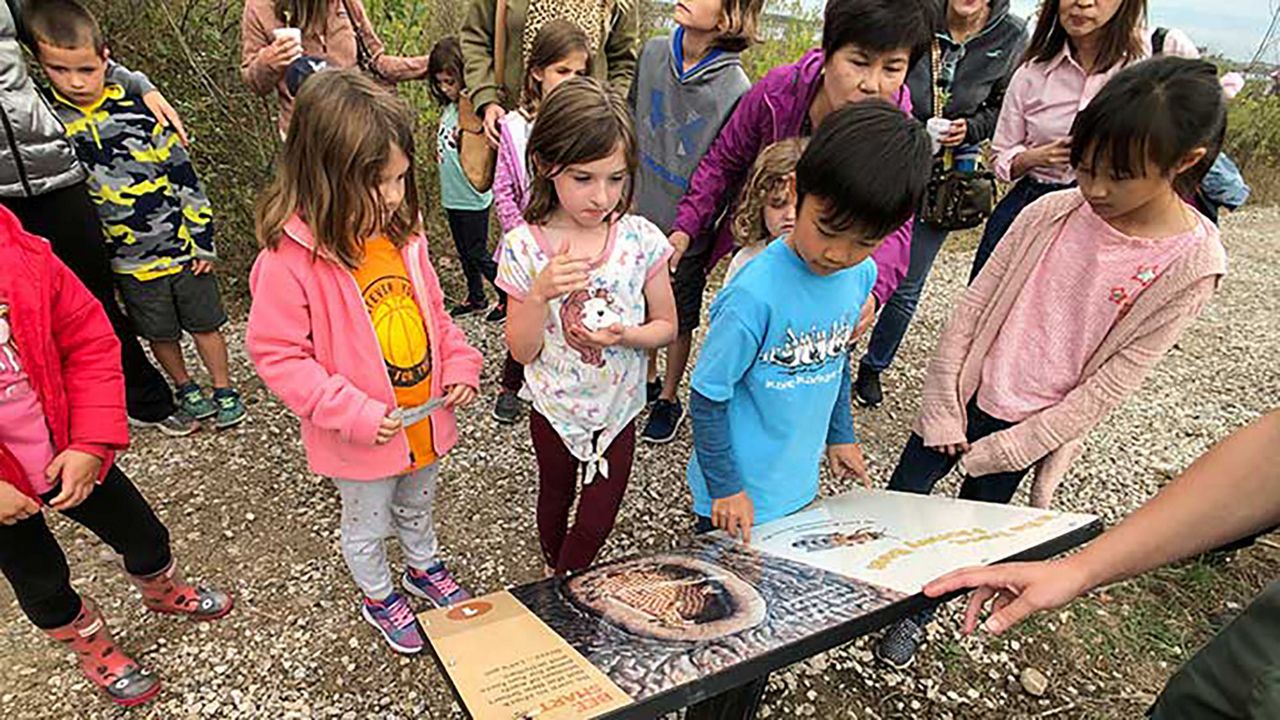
[{"x": 68, "y": 349}]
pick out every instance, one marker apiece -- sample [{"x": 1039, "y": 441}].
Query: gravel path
[{"x": 245, "y": 512}]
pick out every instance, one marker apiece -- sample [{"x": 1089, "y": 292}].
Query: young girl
[
  {"x": 589, "y": 293},
  {"x": 1089, "y": 289},
  {"x": 348, "y": 328},
  {"x": 767, "y": 206},
  {"x": 1076, "y": 47},
  {"x": 466, "y": 210},
  {"x": 560, "y": 51},
  {"x": 62, "y": 419}
]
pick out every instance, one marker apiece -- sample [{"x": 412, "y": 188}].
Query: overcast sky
[{"x": 1232, "y": 27}]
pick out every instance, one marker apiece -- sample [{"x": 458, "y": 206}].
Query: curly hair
[{"x": 771, "y": 172}]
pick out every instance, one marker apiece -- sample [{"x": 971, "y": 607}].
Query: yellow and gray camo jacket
[{"x": 154, "y": 211}]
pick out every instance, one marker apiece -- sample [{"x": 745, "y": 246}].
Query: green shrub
[{"x": 1253, "y": 141}]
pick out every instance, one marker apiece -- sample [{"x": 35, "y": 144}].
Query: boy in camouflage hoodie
[{"x": 155, "y": 215}]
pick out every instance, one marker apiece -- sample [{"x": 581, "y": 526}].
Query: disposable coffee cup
[
  {"x": 293, "y": 33},
  {"x": 937, "y": 127}
]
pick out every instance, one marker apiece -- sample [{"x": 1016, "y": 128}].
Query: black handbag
[{"x": 955, "y": 199}]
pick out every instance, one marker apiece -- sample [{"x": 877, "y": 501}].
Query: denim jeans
[
  {"x": 1006, "y": 211},
  {"x": 896, "y": 316}
]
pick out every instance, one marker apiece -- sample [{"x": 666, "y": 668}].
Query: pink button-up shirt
[{"x": 1043, "y": 99}]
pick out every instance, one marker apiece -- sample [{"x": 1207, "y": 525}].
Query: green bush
[{"x": 1253, "y": 141}]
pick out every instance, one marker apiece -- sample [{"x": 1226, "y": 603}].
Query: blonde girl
[{"x": 767, "y": 205}]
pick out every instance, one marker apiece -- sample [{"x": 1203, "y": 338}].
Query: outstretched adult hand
[{"x": 1014, "y": 590}]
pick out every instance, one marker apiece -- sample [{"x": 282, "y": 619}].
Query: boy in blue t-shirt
[{"x": 772, "y": 385}]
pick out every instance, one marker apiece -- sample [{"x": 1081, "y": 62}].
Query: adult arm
[
  {"x": 476, "y": 37},
  {"x": 622, "y": 47},
  {"x": 724, "y": 168},
  {"x": 1010, "y": 138},
  {"x": 392, "y": 68},
  {"x": 1022, "y": 445},
  {"x": 1199, "y": 510},
  {"x": 278, "y": 340},
  {"x": 256, "y": 23}
]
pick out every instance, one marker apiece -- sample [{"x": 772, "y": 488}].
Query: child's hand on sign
[
  {"x": 735, "y": 515},
  {"x": 848, "y": 461}
]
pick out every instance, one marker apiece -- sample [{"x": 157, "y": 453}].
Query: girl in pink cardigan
[
  {"x": 348, "y": 328},
  {"x": 1089, "y": 289},
  {"x": 560, "y": 51}
]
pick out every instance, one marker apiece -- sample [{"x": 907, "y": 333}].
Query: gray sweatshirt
[{"x": 677, "y": 118}]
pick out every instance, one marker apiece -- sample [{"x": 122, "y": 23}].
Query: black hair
[
  {"x": 870, "y": 162},
  {"x": 878, "y": 25},
  {"x": 446, "y": 56},
  {"x": 1158, "y": 110}
]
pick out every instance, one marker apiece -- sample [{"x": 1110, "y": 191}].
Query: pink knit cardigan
[{"x": 1053, "y": 438}]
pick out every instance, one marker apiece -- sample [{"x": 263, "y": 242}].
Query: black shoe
[
  {"x": 497, "y": 314},
  {"x": 900, "y": 643},
  {"x": 508, "y": 408},
  {"x": 652, "y": 391},
  {"x": 866, "y": 388},
  {"x": 465, "y": 309},
  {"x": 664, "y": 422}
]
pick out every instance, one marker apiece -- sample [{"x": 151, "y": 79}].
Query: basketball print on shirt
[{"x": 398, "y": 324}]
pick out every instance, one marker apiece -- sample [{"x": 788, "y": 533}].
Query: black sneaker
[
  {"x": 465, "y": 309},
  {"x": 664, "y": 422},
  {"x": 866, "y": 388},
  {"x": 508, "y": 408},
  {"x": 652, "y": 391},
  {"x": 497, "y": 314},
  {"x": 178, "y": 424},
  {"x": 900, "y": 643}
]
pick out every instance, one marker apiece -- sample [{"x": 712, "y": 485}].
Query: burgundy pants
[{"x": 565, "y": 548}]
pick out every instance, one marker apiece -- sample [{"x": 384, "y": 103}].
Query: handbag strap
[
  {"x": 500, "y": 46},
  {"x": 364, "y": 58}
]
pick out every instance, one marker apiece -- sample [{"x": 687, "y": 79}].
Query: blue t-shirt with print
[{"x": 775, "y": 351}]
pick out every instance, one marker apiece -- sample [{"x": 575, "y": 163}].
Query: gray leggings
[{"x": 372, "y": 510}]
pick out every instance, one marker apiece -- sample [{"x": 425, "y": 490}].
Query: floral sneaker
[
  {"x": 231, "y": 410},
  {"x": 192, "y": 401},
  {"x": 435, "y": 584},
  {"x": 394, "y": 619}
]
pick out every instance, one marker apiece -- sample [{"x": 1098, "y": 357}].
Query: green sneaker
[
  {"x": 192, "y": 401},
  {"x": 231, "y": 410}
]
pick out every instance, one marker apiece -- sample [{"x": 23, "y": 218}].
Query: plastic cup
[
  {"x": 937, "y": 127},
  {"x": 292, "y": 33}
]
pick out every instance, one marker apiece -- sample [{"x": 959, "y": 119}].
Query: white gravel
[{"x": 245, "y": 512}]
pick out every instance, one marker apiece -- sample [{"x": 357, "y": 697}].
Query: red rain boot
[
  {"x": 122, "y": 679},
  {"x": 165, "y": 592}
]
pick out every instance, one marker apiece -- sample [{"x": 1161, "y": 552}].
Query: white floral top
[{"x": 588, "y": 394}]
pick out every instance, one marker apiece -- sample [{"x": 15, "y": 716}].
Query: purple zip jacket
[{"x": 773, "y": 109}]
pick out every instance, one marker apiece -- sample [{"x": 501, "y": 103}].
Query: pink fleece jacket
[{"x": 313, "y": 344}]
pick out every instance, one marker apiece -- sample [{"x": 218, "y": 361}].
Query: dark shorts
[
  {"x": 162, "y": 308},
  {"x": 689, "y": 283}
]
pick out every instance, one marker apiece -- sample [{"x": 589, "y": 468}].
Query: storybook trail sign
[{"x": 645, "y": 635}]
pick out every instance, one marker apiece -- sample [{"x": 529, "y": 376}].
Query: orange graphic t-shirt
[{"x": 402, "y": 334}]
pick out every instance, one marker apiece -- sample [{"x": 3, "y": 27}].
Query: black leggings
[
  {"x": 37, "y": 569},
  {"x": 920, "y": 468},
  {"x": 69, "y": 221},
  {"x": 470, "y": 229}
]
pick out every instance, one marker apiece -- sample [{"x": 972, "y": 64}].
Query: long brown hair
[
  {"x": 445, "y": 57},
  {"x": 582, "y": 121},
  {"x": 554, "y": 42},
  {"x": 303, "y": 14},
  {"x": 773, "y": 170},
  {"x": 1120, "y": 43},
  {"x": 338, "y": 144}
]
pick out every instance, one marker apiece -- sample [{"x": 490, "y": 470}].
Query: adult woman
[
  {"x": 979, "y": 44},
  {"x": 338, "y": 31},
  {"x": 1076, "y": 47},
  {"x": 612, "y": 26}
]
